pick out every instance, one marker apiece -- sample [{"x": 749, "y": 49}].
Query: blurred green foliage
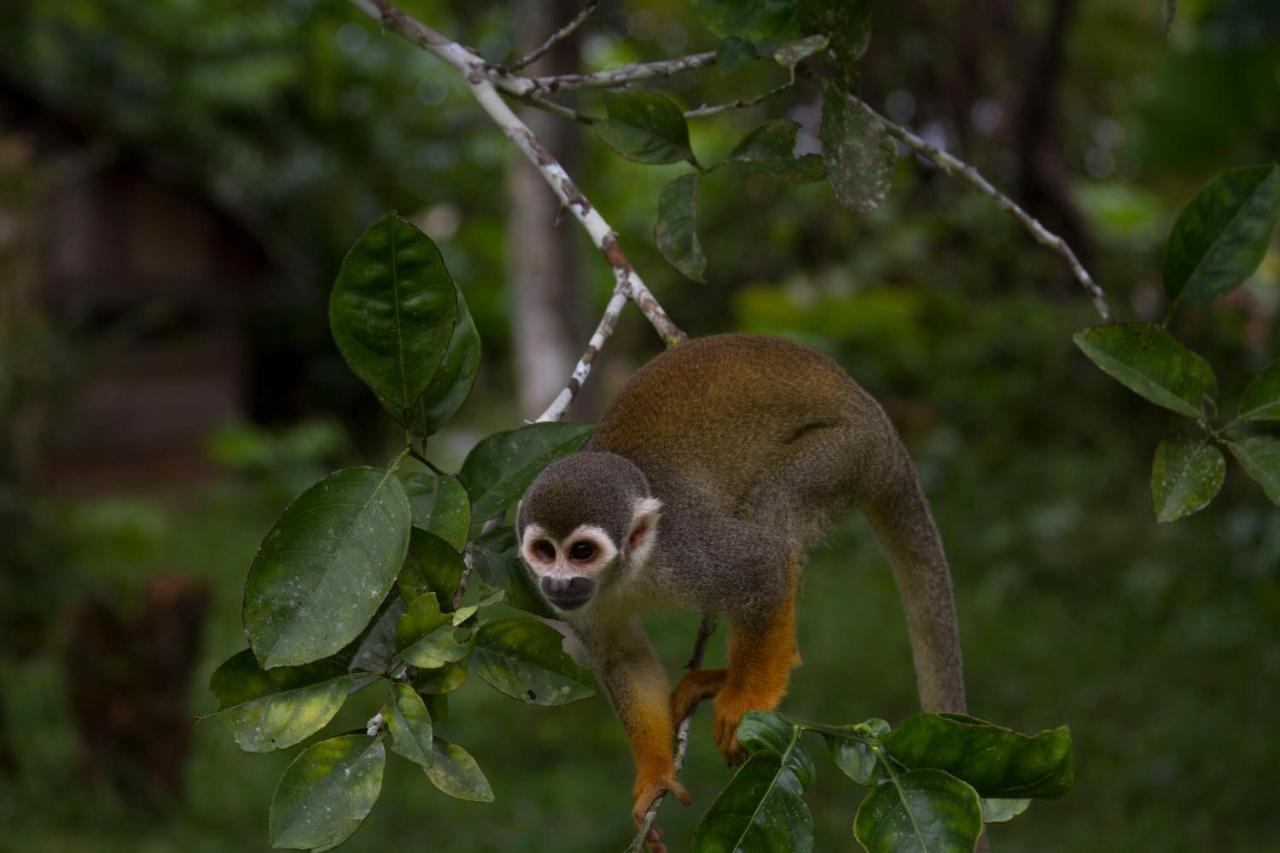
[{"x": 1160, "y": 646}]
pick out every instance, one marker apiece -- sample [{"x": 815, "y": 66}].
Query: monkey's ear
[{"x": 644, "y": 529}]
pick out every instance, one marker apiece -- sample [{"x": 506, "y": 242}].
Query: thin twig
[
  {"x": 610, "y": 78},
  {"x": 739, "y": 104},
  {"x": 705, "y": 630},
  {"x": 960, "y": 169},
  {"x": 555, "y": 38},
  {"x": 559, "y": 109}
]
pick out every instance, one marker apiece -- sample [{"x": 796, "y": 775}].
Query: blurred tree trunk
[{"x": 549, "y": 323}]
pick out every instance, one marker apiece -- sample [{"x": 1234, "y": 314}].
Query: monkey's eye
[
  {"x": 545, "y": 550},
  {"x": 583, "y": 550}
]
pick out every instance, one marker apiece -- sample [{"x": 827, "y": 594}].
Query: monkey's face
[{"x": 568, "y": 569}]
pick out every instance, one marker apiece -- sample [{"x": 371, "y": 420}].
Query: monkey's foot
[
  {"x": 730, "y": 708},
  {"x": 697, "y": 685},
  {"x": 647, "y": 789}
]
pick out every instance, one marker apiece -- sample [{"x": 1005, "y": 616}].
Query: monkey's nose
[{"x": 568, "y": 593}]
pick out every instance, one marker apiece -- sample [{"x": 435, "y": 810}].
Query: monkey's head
[{"x": 583, "y": 524}]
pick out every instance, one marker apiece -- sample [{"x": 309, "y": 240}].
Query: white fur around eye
[
  {"x": 532, "y": 534},
  {"x": 606, "y": 550}
]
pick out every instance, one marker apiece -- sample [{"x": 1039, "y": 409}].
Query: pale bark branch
[
  {"x": 705, "y": 630},
  {"x": 555, "y": 38},
  {"x": 610, "y": 78},
  {"x": 957, "y": 168}
]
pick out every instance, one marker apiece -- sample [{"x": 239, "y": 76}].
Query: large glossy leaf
[
  {"x": 919, "y": 811},
  {"x": 1259, "y": 455},
  {"x": 409, "y": 724},
  {"x": 997, "y": 762},
  {"x": 495, "y": 558},
  {"x": 770, "y": 150},
  {"x": 430, "y": 566},
  {"x": 276, "y": 708},
  {"x": 770, "y": 732},
  {"x": 455, "y": 772},
  {"x": 1185, "y": 476},
  {"x": 525, "y": 660},
  {"x": 852, "y": 752},
  {"x": 392, "y": 311},
  {"x": 439, "y": 505},
  {"x": 1222, "y": 234},
  {"x": 426, "y": 636},
  {"x": 762, "y": 810},
  {"x": 646, "y": 127},
  {"x": 847, "y": 23},
  {"x": 327, "y": 792},
  {"x": 499, "y": 468},
  {"x": 1151, "y": 363},
  {"x": 1261, "y": 400},
  {"x": 326, "y": 566},
  {"x": 857, "y": 150},
  {"x": 676, "y": 230},
  {"x": 452, "y": 382},
  {"x": 753, "y": 20}
]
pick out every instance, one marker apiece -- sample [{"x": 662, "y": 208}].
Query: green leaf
[
  {"x": 453, "y": 381},
  {"x": 1151, "y": 363},
  {"x": 378, "y": 645},
  {"x": 426, "y": 636},
  {"x": 327, "y": 792},
  {"x": 853, "y": 754},
  {"x": 442, "y": 679},
  {"x": 922, "y": 811},
  {"x": 847, "y": 23},
  {"x": 1222, "y": 235},
  {"x": 525, "y": 660},
  {"x": 857, "y": 150},
  {"x": 439, "y": 505},
  {"x": 1259, "y": 455},
  {"x": 1261, "y": 400},
  {"x": 646, "y": 127},
  {"x": 754, "y": 20},
  {"x": 997, "y": 762},
  {"x": 409, "y": 724},
  {"x": 430, "y": 566},
  {"x": 455, "y": 772},
  {"x": 770, "y": 150},
  {"x": 392, "y": 311},
  {"x": 770, "y": 732},
  {"x": 733, "y": 54},
  {"x": 494, "y": 556},
  {"x": 762, "y": 810},
  {"x": 676, "y": 229},
  {"x": 1000, "y": 811},
  {"x": 793, "y": 53},
  {"x": 326, "y": 566},
  {"x": 499, "y": 468},
  {"x": 276, "y": 708},
  {"x": 1185, "y": 476}
]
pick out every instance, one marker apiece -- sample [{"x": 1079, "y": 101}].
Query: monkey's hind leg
[
  {"x": 762, "y": 652},
  {"x": 694, "y": 687}
]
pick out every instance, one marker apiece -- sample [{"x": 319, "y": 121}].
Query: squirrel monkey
[{"x": 711, "y": 474}]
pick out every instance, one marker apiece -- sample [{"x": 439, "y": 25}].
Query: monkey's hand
[
  {"x": 730, "y": 706},
  {"x": 649, "y": 786}
]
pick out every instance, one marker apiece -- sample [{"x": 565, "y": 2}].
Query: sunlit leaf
[
  {"x": 857, "y": 150},
  {"x": 327, "y": 792},
  {"x": 525, "y": 660},
  {"x": 1261, "y": 400},
  {"x": 646, "y": 127},
  {"x": 276, "y": 708},
  {"x": 921, "y": 811},
  {"x": 1151, "y": 363},
  {"x": 1259, "y": 455},
  {"x": 392, "y": 311},
  {"x": 1185, "y": 476},
  {"x": 676, "y": 230},
  {"x": 426, "y": 636},
  {"x": 1222, "y": 234},
  {"x": 455, "y": 772},
  {"x": 326, "y": 566},
  {"x": 409, "y": 724},
  {"x": 500, "y": 468},
  {"x": 442, "y": 679},
  {"x": 997, "y": 762}
]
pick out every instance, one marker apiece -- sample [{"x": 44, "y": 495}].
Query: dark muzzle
[{"x": 568, "y": 593}]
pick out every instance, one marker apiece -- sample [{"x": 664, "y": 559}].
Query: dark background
[{"x": 179, "y": 181}]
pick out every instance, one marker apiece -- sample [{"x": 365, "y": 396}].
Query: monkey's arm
[{"x": 633, "y": 678}]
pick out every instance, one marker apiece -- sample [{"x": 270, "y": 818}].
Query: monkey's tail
[{"x": 901, "y": 519}]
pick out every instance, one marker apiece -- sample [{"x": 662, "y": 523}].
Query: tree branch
[
  {"x": 611, "y": 78},
  {"x": 705, "y": 630},
  {"x": 740, "y": 103},
  {"x": 555, "y": 38},
  {"x": 959, "y": 169}
]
